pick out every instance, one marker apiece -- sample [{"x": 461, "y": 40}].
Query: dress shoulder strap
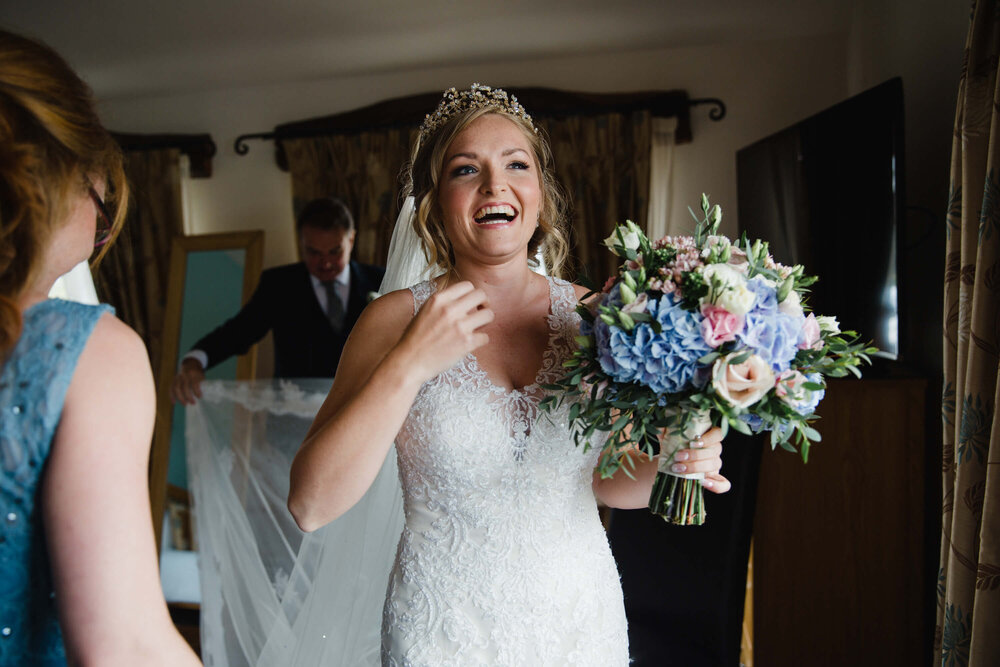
[{"x": 421, "y": 292}]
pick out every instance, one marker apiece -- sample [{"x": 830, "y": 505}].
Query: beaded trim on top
[{"x": 477, "y": 97}]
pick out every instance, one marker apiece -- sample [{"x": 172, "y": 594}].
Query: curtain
[
  {"x": 602, "y": 161},
  {"x": 133, "y": 275},
  {"x": 661, "y": 171},
  {"x": 969, "y": 577},
  {"x": 363, "y": 169}
]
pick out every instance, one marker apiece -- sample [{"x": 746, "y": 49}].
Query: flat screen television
[{"x": 827, "y": 193}]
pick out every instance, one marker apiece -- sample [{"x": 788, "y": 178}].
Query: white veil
[{"x": 272, "y": 595}]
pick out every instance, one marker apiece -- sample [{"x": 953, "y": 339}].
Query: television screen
[{"x": 827, "y": 193}]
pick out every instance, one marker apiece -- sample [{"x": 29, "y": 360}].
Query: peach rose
[{"x": 741, "y": 385}]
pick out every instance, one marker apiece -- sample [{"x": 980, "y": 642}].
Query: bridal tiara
[{"x": 477, "y": 97}]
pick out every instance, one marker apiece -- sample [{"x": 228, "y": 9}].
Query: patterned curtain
[
  {"x": 133, "y": 275},
  {"x": 602, "y": 162},
  {"x": 969, "y": 578},
  {"x": 364, "y": 169}
]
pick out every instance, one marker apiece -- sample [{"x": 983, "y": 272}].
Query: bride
[{"x": 503, "y": 559}]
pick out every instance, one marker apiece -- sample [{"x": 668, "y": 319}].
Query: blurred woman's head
[
  {"x": 58, "y": 167},
  {"x": 456, "y": 113}
]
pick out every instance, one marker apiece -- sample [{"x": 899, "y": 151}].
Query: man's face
[{"x": 326, "y": 251}]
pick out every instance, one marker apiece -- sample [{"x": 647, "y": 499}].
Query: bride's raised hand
[{"x": 447, "y": 328}]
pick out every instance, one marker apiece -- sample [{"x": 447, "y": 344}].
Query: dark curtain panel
[
  {"x": 361, "y": 168},
  {"x": 969, "y": 578},
  {"x": 133, "y": 275},
  {"x": 602, "y": 162},
  {"x": 601, "y": 144}
]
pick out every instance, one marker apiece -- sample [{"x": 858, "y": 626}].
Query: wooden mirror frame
[{"x": 252, "y": 243}]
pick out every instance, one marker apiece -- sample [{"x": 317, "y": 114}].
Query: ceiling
[{"x": 129, "y": 48}]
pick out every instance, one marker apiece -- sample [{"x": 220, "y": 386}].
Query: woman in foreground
[
  {"x": 79, "y": 579},
  {"x": 503, "y": 559}
]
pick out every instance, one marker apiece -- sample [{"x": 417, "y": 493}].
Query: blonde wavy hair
[
  {"x": 424, "y": 174},
  {"x": 51, "y": 144}
]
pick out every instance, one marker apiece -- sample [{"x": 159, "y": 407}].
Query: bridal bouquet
[{"x": 695, "y": 331}]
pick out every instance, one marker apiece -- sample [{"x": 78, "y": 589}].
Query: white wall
[{"x": 765, "y": 85}]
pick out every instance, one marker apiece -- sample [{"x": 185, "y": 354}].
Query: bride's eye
[
  {"x": 517, "y": 164},
  {"x": 463, "y": 170}
]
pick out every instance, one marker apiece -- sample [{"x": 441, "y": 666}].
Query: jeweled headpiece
[{"x": 477, "y": 97}]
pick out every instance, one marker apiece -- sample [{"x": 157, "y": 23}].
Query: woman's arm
[
  {"x": 386, "y": 359},
  {"x": 622, "y": 492},
  {"x": 95, "y": 502}
]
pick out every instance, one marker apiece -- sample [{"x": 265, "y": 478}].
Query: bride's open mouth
[{"x": 495, "y": 214}]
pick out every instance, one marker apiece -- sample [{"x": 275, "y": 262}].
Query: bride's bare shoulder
[{"x": 385, "y": 318}]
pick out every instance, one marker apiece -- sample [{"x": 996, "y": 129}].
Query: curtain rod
[
  {"x": 716, "y": 113},
  {"x": 198, "y": 147}
]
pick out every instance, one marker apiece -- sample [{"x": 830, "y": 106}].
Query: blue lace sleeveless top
[{"x": 33, "y": 384}]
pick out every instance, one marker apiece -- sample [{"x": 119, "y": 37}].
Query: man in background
[{"x": 310, "y": 306}]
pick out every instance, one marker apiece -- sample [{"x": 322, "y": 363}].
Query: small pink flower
[
  {"x": 609, "y": 283},
  {"x": 719, "y": 326},
  {"x": 810, "y": 338}
]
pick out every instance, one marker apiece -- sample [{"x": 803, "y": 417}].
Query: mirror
[{"x": 211, "y": 277}]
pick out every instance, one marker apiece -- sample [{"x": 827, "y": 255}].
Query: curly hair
[
  {"x": 51, "y": 144},
  {"x": 424, "y": 174}
]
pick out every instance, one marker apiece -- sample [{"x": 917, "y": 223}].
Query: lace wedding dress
[{"x": 503, "y": 559}]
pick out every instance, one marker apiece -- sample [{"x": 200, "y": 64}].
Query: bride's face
[{"x": 490, "y": 191}]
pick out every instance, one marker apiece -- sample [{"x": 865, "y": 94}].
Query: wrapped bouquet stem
[
  {"x": 695, "y": 331},
  {"x": 679, "y": 497}
]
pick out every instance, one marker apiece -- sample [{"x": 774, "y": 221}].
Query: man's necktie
[{"x": 334, "y": 307}]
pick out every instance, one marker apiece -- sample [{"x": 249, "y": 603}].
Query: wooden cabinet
[{"x": 839, "y": 543}]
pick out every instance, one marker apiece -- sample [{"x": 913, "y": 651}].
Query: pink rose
[
  {"x": 810, "y": 336},
  {"x": 719, "y": 326},
  {"x": 742, "y": 385},
  {"x": 789, "y": 384}
]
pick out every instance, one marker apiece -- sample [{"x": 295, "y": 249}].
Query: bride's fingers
[{"x": 716, "y": 483}]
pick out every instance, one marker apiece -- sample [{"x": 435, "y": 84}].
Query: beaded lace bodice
[
  {"x": 503, "y": 559},
  {"x": 33, "y": 385}
]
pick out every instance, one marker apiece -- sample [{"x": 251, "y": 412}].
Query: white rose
[
  {"x": 630, "y": 237},
  {"x": 742, "y": 385},
  {"x": 722, "y": 274},
  {"x": 737, "y": 300},
  {"x": 791, "y": 305},
  {"x": 828, "y": 323}
]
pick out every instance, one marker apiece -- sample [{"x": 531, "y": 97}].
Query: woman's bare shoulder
[{"x": 389, "y": 312}]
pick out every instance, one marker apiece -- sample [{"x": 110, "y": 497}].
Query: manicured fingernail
[
  {"x": 707, "y": 483},
  {"x": 678, "y": 467},
  {"x": 697, "y": 444},
  {"x": 681, "y": 456}
]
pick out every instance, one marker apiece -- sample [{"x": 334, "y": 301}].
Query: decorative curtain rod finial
[
  {"x": 718, "y": 111},
  {"x": 240, "y": 145}
]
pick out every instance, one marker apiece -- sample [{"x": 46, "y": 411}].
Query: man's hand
[{"x": 186, "y": 388}]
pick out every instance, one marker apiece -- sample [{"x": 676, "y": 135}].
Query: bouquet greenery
[{"x": 695, "y": 331}]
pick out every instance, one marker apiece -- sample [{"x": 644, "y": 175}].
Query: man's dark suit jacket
[{"x": 305, "y": 345}]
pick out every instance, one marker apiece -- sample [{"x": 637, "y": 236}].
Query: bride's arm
[
  {"x": 386, "y": 359},
  {"x": 623, "y": 492}
]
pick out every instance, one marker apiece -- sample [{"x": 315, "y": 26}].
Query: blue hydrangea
[
  {"x": 811, "y": 398},
  {"x": 666, "y": 362},
  {"x": 771, "y": 334},
  {"x": 754, "y": 421}
]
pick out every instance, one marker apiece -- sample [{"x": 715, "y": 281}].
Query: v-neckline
[{"x": 543, "y": 369}]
